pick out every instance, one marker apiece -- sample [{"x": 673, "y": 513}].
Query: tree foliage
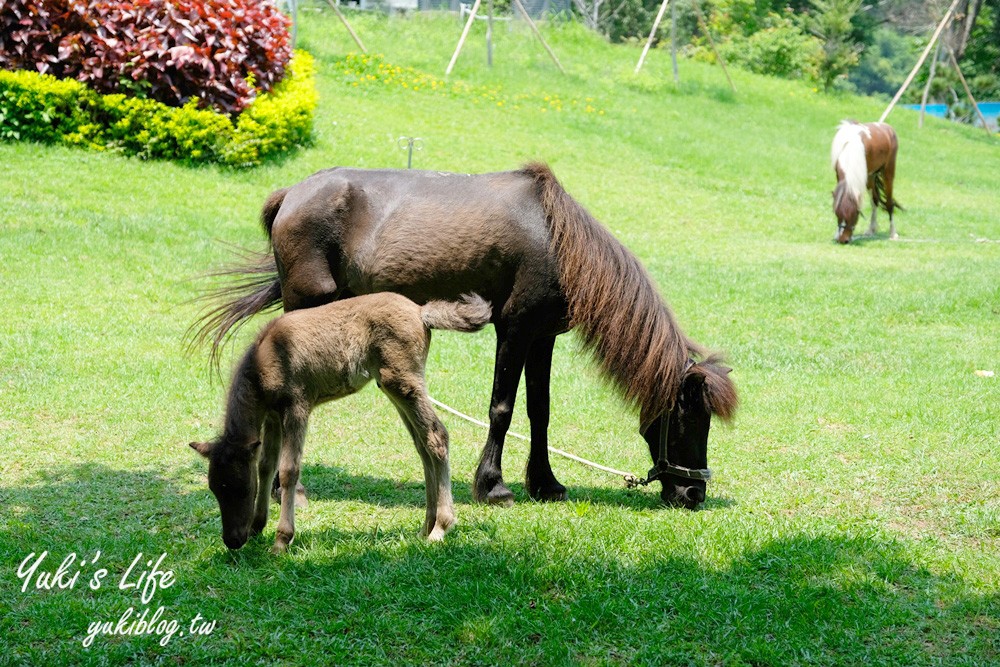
[{"x": 218, "y": 52}]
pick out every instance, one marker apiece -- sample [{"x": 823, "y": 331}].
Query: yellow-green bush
[{"x": 38, "y": 107}]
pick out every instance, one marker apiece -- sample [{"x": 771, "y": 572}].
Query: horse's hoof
[
  {"x": 553, "y": 493},
  {"x": 894, "y": 237},
  {"x": 499, "y": 495},
  {"x": 280, "y": 545}
]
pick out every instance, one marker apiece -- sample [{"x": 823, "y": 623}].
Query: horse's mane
[
  {"x": 845, "y": 206},
  {"x": 243, "y": 406},
  {"x": 847, "y": 153},
  {"x": 613, "y": 303}
]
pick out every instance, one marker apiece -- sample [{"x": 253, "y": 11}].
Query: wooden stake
[
  {"x": 461, "y": 40},
  {"x": 927, "y": 88},
  {"x": 718, "y": 56},
  {"x": 968, "y": 92},
  {"x": 343, "y": 19},
  {"x": 534, "y": 29},
  {"x": 652, "y": 33},
  {"x": 923, "y": 57}
]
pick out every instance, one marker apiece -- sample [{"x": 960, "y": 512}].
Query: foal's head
[
  {"x": 845, "y": 207},
  {"x": 682, "y": 464},
  {"x": 233, "y": 478}
]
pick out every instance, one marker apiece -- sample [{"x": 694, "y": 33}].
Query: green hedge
[{"x": 38, "y": 107}]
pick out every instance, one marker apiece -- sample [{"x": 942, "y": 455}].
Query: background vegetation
[
  {"x": 864, "y": 46},
  {"x": 855, "y": 517}
]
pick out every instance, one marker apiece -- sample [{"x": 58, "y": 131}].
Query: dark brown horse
[
  {"x": 864, "y": 158},
  {"x": 523, "y": 243},
  {"x": 316, "y": 355}
]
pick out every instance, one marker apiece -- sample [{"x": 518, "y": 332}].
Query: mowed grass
[{"x": 855, "y": 513}]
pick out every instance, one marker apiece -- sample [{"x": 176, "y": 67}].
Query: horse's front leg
[
  {"x": 293, "y": 427},
  {"x": 541, "y": 482},
  {"x": 488, "y": 486},
  {"x": 873, "y": 225},
  {"x": 265, "y": 471}
]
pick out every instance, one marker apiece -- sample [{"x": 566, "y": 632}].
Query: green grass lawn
[{"x": 855, "y": 514}]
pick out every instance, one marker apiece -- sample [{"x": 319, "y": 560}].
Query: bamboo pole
[
  {"x": 927, "y": 88},
  {"x": 968, "y": 92},
  {"x": 923, "y": 57},
  {"x": 343, "y": 19},
  {"x": 534, "y": 29},
  {"x": 652, "y": 33},
  {"x": 718, "y": 56},
  {"x": 461, "y": 40}
]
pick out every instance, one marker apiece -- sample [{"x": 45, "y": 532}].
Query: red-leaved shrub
[{"x": 219, "y": 51}]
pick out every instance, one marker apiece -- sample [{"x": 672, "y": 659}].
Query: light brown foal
[{"x": 310, "y": 356}]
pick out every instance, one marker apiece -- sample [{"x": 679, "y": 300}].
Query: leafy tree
[{"x": 833, "y": 22}]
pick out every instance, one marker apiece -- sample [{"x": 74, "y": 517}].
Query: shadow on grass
[
  {"x": 862, "y": 239},
  {"x": 542, "y": 595},
  {"x": 335, "y": 483}
]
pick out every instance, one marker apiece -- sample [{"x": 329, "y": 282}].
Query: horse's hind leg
[
  {"x": 889, "y": 174},
  {"x": 541, "y": 482},
  {"x": 431, "y": 441},
  {"x": 302, "y": 252}
]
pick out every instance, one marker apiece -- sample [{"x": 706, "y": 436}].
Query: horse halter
[{"x": 663, "y": 465}]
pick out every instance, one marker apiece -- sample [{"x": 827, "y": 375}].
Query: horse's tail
[
  {"x": 613, "y": 303},
  {"x": 847, "y": 153},
  {"x": 470, "y": 313},
  {"x": 880, "y": 196},
  {"x": 256, "y": 289},
  {"x": 270, "y": 210}
]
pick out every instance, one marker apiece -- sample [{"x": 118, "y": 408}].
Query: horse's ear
[{"x": 203, "y": 448}]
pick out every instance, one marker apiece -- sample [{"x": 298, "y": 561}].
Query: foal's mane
[{"x": 613, "y": 303}]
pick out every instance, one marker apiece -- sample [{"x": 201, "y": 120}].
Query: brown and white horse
[{"x": 864, "y": 158}]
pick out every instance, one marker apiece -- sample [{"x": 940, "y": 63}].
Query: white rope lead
[{"x": 629, "y": 478}]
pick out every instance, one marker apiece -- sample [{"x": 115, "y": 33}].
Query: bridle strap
[{"x": 663, "y": 465}]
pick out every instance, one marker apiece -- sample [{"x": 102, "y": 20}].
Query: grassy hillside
[{"x": 855, "y": 516}]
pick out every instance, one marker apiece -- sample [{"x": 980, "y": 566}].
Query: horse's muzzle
[
  {"x": 684, "y": 496},
  {"x": 235, "y": 539}
]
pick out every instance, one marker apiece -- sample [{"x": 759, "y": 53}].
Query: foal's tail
[
  {"x": 255, "y": 289},
  {"x": 847, "y": 153},
  {"x": 470, "y": 313}
]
